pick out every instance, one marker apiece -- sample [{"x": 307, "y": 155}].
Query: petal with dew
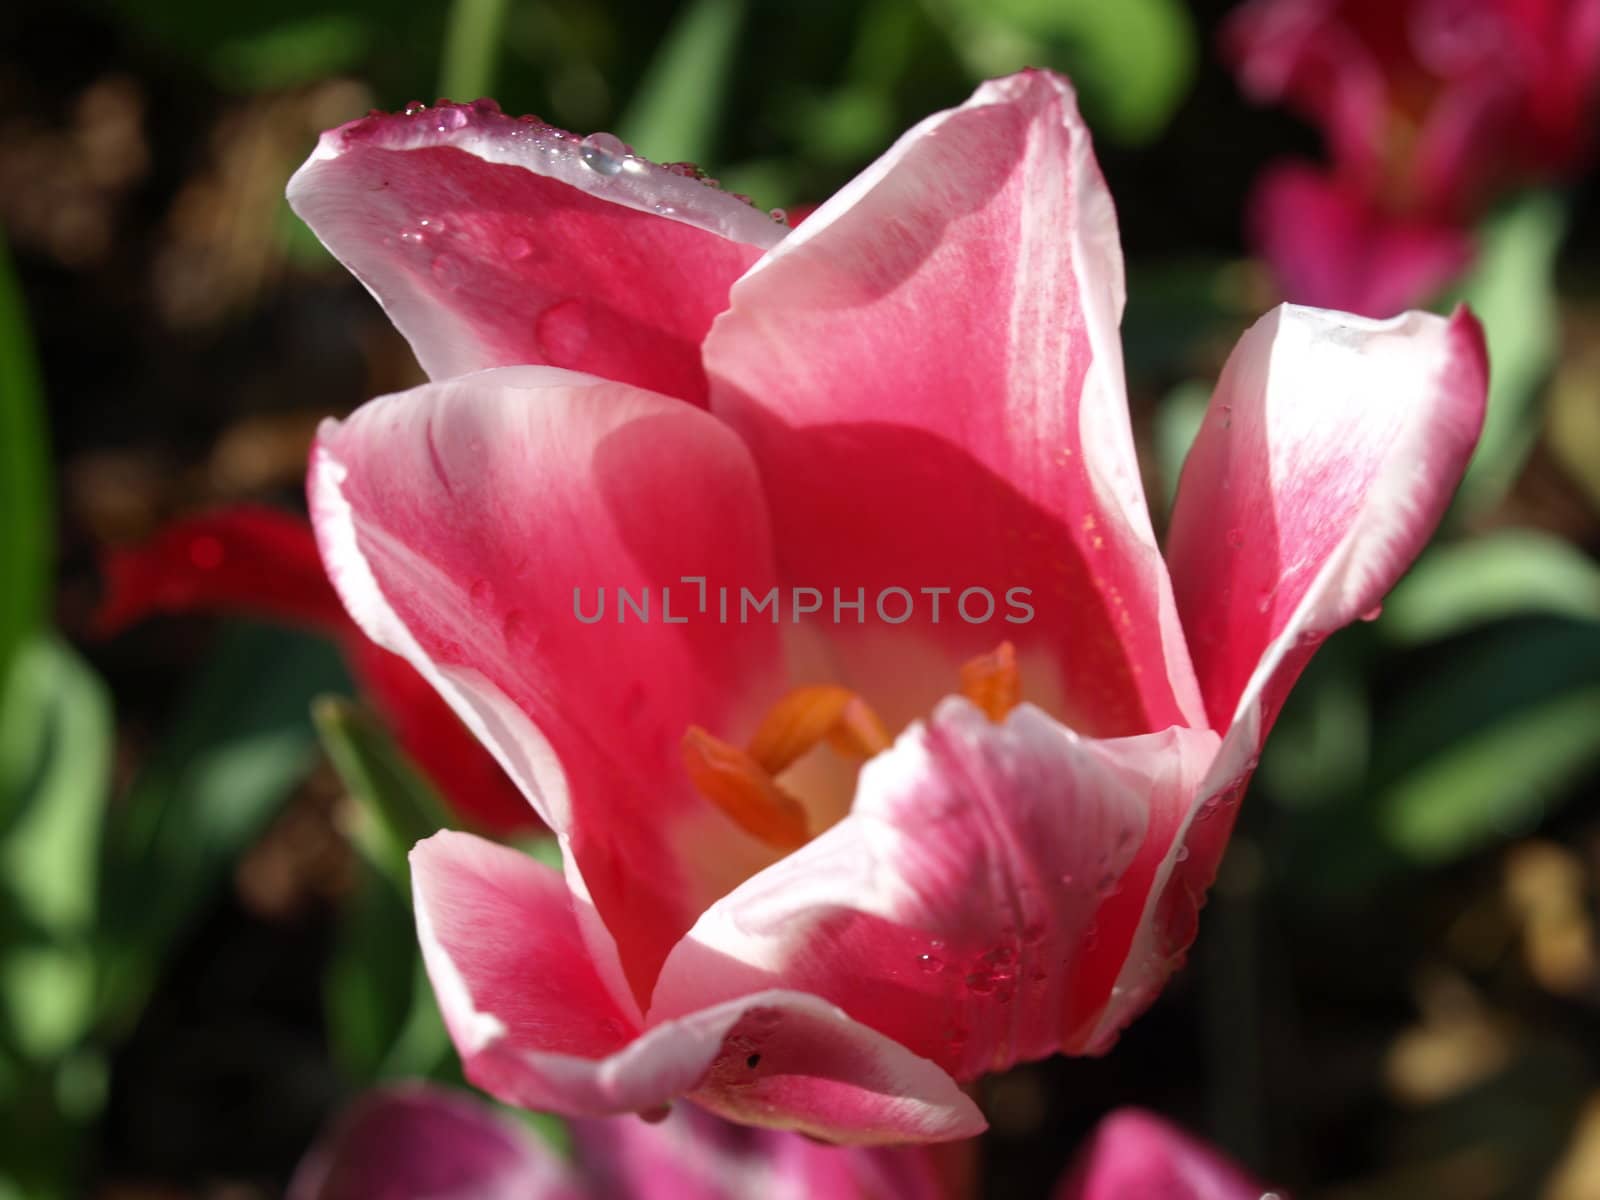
[
  {"x": 493, "y": 241},
  {"x": 938, "y": 342},
  {"x": 461, "y": 521},
  {"x": 956, "y": 908},
  {"x": 536, "y": 1026},
  {"x": 1328, "y": 455}
]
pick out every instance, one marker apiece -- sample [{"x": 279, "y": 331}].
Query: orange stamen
[
  {"x": 806, "y": 716},
  {"x": 991, "y": 681},
  {"x": 742, "y": 788}
]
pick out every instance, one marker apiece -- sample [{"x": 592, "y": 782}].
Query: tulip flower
[
  {"x": 1431, "y": 109},
  {"x": 901, "y": 754},
  {"x": 1135, "y": 1154},
  {"x": 423, "y": 1142},
  {"x": 263, "y": 563}
]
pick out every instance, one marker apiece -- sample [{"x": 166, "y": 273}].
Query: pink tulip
[
  {"x": 421, "y": 1142},
  {"x": 1136, "y": 1155},
  {"x": 1431, "y": 109},
  {"x": 771, "y": 902}
]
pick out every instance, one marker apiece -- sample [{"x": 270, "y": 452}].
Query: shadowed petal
[
  {"x": 929, "y": 374},
  {"x": 459, "y": 521},
  {"x": 956, "y": 908},
  {"x": 536, "y": 1026},
  {"x": 692, "y": 1155},
  {"x": 421, "y": 1142},
  {"x": 491, "y": 241},
  {"x": 1330, "y": 450}
]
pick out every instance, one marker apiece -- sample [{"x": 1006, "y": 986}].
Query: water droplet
[
  {"x": 603, "y": 153},
  {"x": 1236, "y": 538},
  {"x": 411, "y": 235},
  {"x": 431, "y": 225},
  {"x": 1183, "y": 854},
  {"x": 447, "y": 271},
  {"x": 480, "y": 593},
  {"x": 981, "y": 983},
  {"x": 778, "y": 215},
  {"x": 517, "y": 248},
  {"x": 415, "y": 107},
  {"x": 1067, "y": 878},
  {"x": 562, "y": 331},
  {"x": 1373, "y": 613},
  {"x": 931, "y": 963},
  {"x": 451, "y": 118},
  {"x": 518, "y": 630}
]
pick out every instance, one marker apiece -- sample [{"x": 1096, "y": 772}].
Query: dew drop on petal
[
  {"x": 1183, "y": 854},
  {"x": 517, "y": 248},
  {"x": 602, "y": 153},
  {"x": 778, "y": 215},
  {"x": 447, "y": 271},
  {"x": 451, "y": 118},
  {"x": 480, "y": 593},
  {"x": 414, "y": 236},
  {"x": 415, "y": 107},
  {"x": 562, "y": 331},
  {"x": 1373, "y": 613},
  {"x": 931, "y": 963}
]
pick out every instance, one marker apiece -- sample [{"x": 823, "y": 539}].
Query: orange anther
[
  {"x": 806, "y": 716},
  {"x": 991, "y": 681},
  {"x": 743, "y": 789}
]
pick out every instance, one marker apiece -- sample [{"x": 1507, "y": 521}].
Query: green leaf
[
  {"x": 25, "y": 506},
  {"x": 1512, "y": 290},
  {"x": 292, "y": 54},
  {"x": 1132, "y": 61},
  {"x": 1497, "y": 784},
  {"x": 674, "y": 112},
  {"x": 1178, "y": 421},
  {"x": 239, "y": 746},
  {"x": 55, "y": 775},
  {"x": 1488, "y": 736},
  {"x": 1502, "y": 574},
  {"x": 396, "y": 806},
  {"x": 472, "y": 41}
]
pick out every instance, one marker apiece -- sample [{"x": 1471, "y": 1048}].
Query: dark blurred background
[{"x": 1396, "y": 989}]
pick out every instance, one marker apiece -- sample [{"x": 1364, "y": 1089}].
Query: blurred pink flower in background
[
  {"x": 1431, "y": 110},
  {"x": 819, "y": 874},
  {"x": 260, "y": 562},
  {"x": 1136, "y": 1155},
  {"x": 423, "y": 1142}
]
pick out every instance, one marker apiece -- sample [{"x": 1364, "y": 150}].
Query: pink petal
[
  {"x": 929, "y": 373},
  {"x": 1136, "y": 1155},
  {"x": 458, "y": 520},
  {"x": 1329, "y": 244},
  {"x": 956, "y": 909},
  {"x": 490, "y": 242},
  {"x": 1331, "y": 448},
  {"x": 537, "y": 1027},
  {"x": 421, "y": 1142},
  {"x": 692, "y": 1155}
]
